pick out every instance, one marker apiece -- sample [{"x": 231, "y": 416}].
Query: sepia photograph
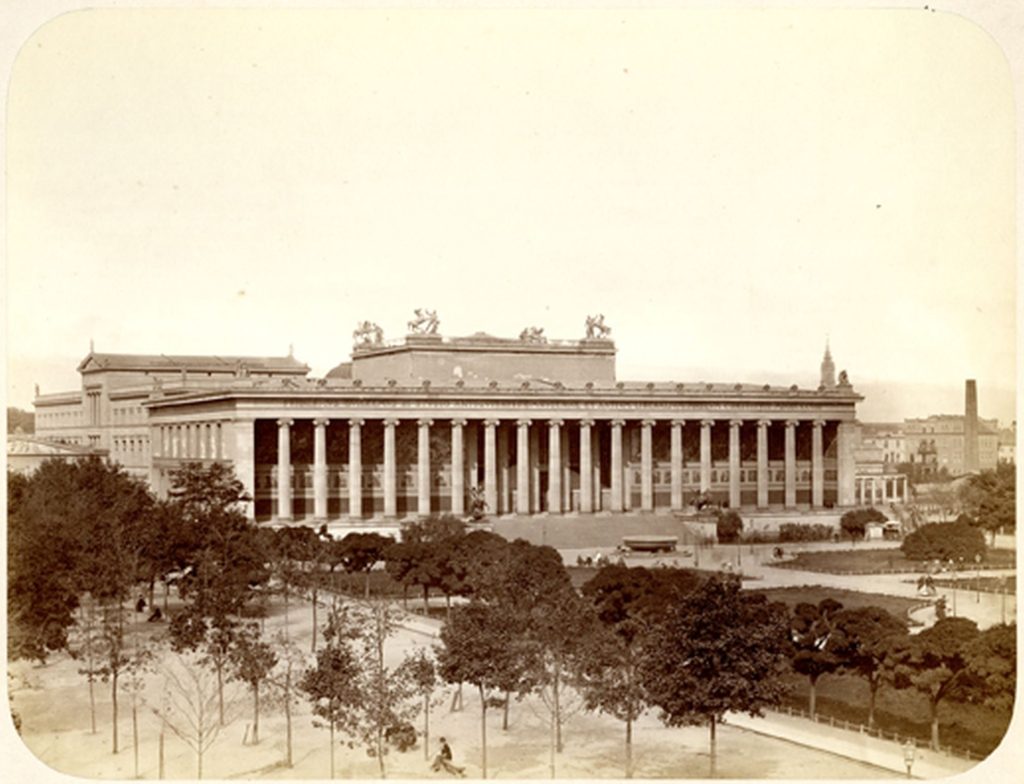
[{"x": 407, "y": 391}]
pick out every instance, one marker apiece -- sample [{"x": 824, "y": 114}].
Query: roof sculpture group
[
  {"x": 367, "y": 334},
  {"x": 596, "y": 329},
  {"x": 425, "y": 322}
]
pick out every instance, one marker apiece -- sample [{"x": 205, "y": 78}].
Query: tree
[
  {"x": 814, "y": 650},
  {"x": 861, "y": 639},
  {"x": 289, "y": 660},
  {"x": 139, "y": 663},
  {"x": 719, "y": 650},
  {"x": 252, "y": 661},
  {"x": 854, "y": 523},
  {"x": 425, "y": 556},
  {"x": 991, "y": 660},
  {"x": 629, "y": 602},
  {"x": 934, "y": 663},
  {"x": 360, "y": 552},
  {"x": 84, "y": 645},
  {"x": 476, "y": 649},
  {"x": 333, "y": 682},
  {"x": 189, "y": 705},
  {"x": 944, "y": 541},
  {"x": 20, "y": 420},
  {"x": 421, "y": 672},
  {"x": 990, "y": 498},
  {"x": 728, "y": 526}
]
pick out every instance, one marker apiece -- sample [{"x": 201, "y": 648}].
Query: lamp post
[
  {"x": 1002, "y": 587},
  {"x": 909, "y": 753}
]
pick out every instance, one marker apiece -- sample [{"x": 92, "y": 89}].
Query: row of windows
[
  {"x": 131, "y": 445},
  {"x": 55, "y": 418}
]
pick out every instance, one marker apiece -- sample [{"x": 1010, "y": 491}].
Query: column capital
[
  {"x": 617, "y": 422},
  {"x": 792, "y": 422},
  {"x": 586, "y": 422},
  {"x": 390, "y": 422},
  {"x": 707, "y": 422},
  {"x": 285, "y": 422},
  {"x": 424, "y": 422},
  {"x": 678, "y": 422},
  {"x": 649, "y": 422},
  {"x": 458, "y": 423},
  {"x": 735, "y": 423},
  {"x": 356, "y": 422},
  {"x": 763, "y": 422},
  {"x": 818, "y": 423},
  {"x": 555, "y": 423},
  {"x": 321, "y": 422},
  {"x": 522, "y": 422}
]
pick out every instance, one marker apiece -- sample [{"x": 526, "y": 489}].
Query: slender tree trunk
[
  {"x": 629, "y": 745},
  {"x": 483, "y": 733},
  {"x": 199, "y": 759},
  {"x": 160, "y": 754},
  {"x": 152, "y": 593},
  {"x": 935, "y": 724},
  {"x": 313, "y": 644},
  {"x": 288, "y": 715},
  {"x": 92, "y": 702},
  {"x": 504, "y": 717},
  {"x": 426, "y": 600},
  {"x": 331, "y": 724},
  {"x": 220, "y": 690},
  {"x": 405, "y": 598},
  {"x": 255, "y": 713},
  {"x": 426, "y": 726},
  {"x": 113, "y": 698},
  {"x": 552, "y": 745},
  {"x": 167, "y": 591},
  {"x": 872, "y": 694},
  {"x": 380, "y": 752},
  {"x": 135, "y": 735},
  {"x": 812, "y": 698},
  {"x": 713, "y": 750},
  {"x": 558, "y": 709},
  {"x": 366, "y": 588}
]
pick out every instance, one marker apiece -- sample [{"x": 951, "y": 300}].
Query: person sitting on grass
[{"x": 443, "y": 760}]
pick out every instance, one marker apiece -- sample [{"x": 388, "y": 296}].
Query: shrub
[
  {"x": 729, "y": 526},
  {"x": 797, "y": 532},
  {"x": 855, "y": 521},
  {"x": 944, "y": 541},
  {"x": 401, "y": 736}
]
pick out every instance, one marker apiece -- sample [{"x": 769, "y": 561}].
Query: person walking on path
[{"x": 443, "y": 760}]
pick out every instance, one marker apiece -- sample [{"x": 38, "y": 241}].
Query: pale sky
[{"x": 728, "y": 188}]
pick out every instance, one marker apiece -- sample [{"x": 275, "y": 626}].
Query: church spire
[{"x": 828, "y": 368}]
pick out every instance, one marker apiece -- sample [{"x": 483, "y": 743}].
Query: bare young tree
[
  {"x": 189, "y": 708},
  {"x": 84, "y": 644}
]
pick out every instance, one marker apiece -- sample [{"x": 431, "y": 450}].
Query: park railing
[{"x": 876, "y": 732}]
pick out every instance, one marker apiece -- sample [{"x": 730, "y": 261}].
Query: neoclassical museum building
[{"x": 426, "y": 423}]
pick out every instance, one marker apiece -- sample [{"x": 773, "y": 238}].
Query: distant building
[
  {"x": 878, "y": 454},
  {"x": 938, "y": 441},
  {"x": 888, "y": 438},
  {"x": 1008, "y": 444},
  {"x": 26, "y": 453}
]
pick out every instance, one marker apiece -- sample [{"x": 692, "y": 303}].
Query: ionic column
[
  {"x": 586, "y": 468},
  {"x": 201, "y": 439},
  {"x": 218, "y": 441},
  {"x": 504, "y": 488},
  {"x": 472, "y": 456},
  {"x": 846, "y": 465},
  {"x": 617, "y": 465},
  {"x": 535, "y": 500},
  {"x": 906, "y": 490},
  {"x": 762, "y": 463},
  {"x": 490, "y": 466},
  {"x": 523, "y": 467},
  {"x": 355, "y": 468},
  {"x": 817, "y": 466},
  {"x": 705, "y": 454},
  {"x": 284, "y": 469},
  {"x": 860, "y": 491},
  {"x": 734, "y": 463},
  {"x": 790, "y": 502},
  {"x": 595, "y": 459},
  {"x": 423, "y": 468},
  {"x": 646, "y": 466},
  {"x": 555, "y": 466},
  {"x": 320, "y": 468},
  {"x": 390, "y": 476},
  {"x": 458, "y": 469},
  {"x": 676, "y": 462},
  {"x": 566, "y": 472}
]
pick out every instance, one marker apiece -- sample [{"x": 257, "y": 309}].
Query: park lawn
[
  {"x": 879, "y": 561},
  {"x": 903, "y": 711},
  {"x": 898, "y": 606}
]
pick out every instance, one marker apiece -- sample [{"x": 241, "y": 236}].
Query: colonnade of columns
[
  {"x": 527, "y": 471},
  {"x": 190, "y": 440},
  {"x": 872, "y": 490}
]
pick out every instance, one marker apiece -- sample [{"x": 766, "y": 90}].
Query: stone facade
[{"x": 535, "y": 427}]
